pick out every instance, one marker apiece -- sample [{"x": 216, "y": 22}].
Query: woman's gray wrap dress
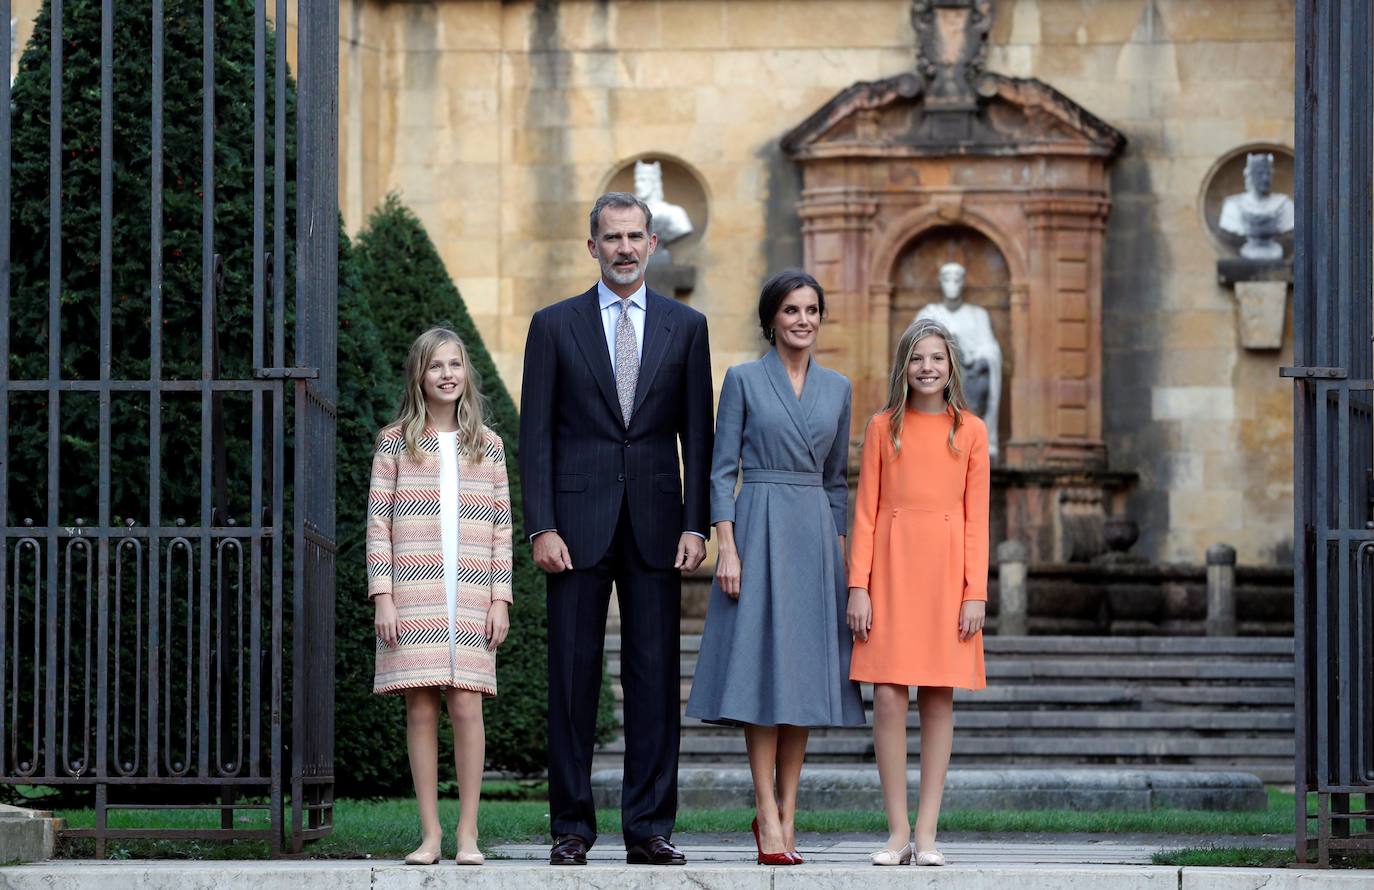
[{"x": 779, "y": 655}]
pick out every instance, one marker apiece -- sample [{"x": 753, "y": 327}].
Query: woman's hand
[
  {"x": 385, "y": 619},
  {"x": 859, "y": 614},
  {"x": 971, "y": 615},
  {"x": 728, "y": 570},
  {"x": 498, "y": 623}
]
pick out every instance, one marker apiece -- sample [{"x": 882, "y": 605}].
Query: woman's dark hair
[{"x": 776, "y": 289}]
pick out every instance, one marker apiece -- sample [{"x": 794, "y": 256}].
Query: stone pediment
[{"x": 1012, "y": 116}]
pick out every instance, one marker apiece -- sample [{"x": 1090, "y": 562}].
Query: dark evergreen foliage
[{"x": 181, "y": 242}]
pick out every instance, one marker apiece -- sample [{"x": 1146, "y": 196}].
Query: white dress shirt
[{"x": 610, "y": 315}]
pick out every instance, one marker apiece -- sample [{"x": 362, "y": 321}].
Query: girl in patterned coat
[{"x": 439, "y": 573}]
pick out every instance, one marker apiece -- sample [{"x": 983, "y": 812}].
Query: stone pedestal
[{"x": 1261, "y": 289}]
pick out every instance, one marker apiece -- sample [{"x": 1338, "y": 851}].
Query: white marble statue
[
  {"x": 980, "y": 356},
  {"x": 1258, "y": 214},
  {"x": 670, "y": 221}
]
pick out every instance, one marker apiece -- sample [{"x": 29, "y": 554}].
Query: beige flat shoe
[
  {"x": 469, "y": 858},
  {"x": 422, "y": 857},
  {"x": 930, "y": 857},
  {"x": 893, "y": 857}
]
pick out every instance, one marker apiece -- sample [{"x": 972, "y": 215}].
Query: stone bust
[
  {"x": 670, "y": 221},
  {"x": 980, "y": 356},
  {"x": 1258, "y": 214}
]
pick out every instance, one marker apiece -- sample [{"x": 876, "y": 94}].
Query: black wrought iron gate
[
  {"x": 185, "y": 662},
  {"x": 1334, "y": 429}
]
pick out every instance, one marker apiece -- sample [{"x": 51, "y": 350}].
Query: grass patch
[
  {"x": 516, "y": 812},
  {"x": 1227, "y": 857}
]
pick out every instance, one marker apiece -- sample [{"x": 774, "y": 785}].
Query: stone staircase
[{"x": 1184, "y": 702}]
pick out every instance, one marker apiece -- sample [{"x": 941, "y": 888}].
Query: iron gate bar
[
  {"x": 6, "y": 166},
  {"x": 1333, "y": 425},
  {"x": 54, "y": 368},
  {"x": 119, "y": 732}
]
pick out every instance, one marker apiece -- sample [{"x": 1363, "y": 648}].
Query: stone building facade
[{"x": 499, "y": 123}]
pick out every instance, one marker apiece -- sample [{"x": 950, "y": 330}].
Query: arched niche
[{"x": 915, "y": 284}]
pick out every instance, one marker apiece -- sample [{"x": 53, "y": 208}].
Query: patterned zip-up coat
[{"x": 405, "y": 558}]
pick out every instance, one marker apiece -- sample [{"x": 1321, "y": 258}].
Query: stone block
[
  {"x": 1261, "y": 307},
  {"x": 698, "y": 24},
  {"x": 1192, "y": 402},
  {"x": 1040, "y": 877},
  {"x": 825, "y": 788},
  {"x": 27, "y": 835},
  {"x": 207, "y": 875},
  {"x": 1271, "y": 879}
]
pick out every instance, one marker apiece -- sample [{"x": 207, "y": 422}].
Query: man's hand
[
  {"x": 691, "y": 550},
  {"x": 551, "y": 554}
]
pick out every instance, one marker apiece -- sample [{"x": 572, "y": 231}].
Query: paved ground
[
  {"x": 982, "y": 849},
  {"x": 736, "y": 875}
]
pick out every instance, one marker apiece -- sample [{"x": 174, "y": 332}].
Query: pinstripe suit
[{"x": 615, "y": 495}]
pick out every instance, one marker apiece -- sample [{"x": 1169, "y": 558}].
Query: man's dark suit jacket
[{"x": 578, "y": 461}]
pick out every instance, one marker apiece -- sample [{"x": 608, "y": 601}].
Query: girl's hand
[
  {"x": 859, "y": 614},
  {"x": 728, "y": 571},
  {"x": 386, "y": 619},
  {"x": 498, "y": 623},
  {"x": 971, "y": 615}
]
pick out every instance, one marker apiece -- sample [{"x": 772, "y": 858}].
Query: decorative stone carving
[
  {"x": 885, "y": 162},
  {"x": 980, "y": 355},
  {"x": 951, "y": 36},
  {"x": 1258, "y": 214}
]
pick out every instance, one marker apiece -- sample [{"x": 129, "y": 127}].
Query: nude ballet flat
[
  {"x": 422, "y": 857},
  {"x": 469, "y": 859},
  {"x": 930, "y": 857},
  {"x": 893, "y": 857}
]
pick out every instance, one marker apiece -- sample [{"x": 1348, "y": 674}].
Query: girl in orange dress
[{"x": 918, "y": 573}]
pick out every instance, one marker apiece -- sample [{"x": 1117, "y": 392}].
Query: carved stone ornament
[{"x": 951, "y": 42}]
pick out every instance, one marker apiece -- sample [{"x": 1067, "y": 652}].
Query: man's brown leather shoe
[
  {"x": 569, "y": 850},
  {"x": 654, "y": 851}
]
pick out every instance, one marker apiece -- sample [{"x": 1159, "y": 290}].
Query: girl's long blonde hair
[
  {"x": 899, "y": 390},
  {"x": 471, "y": 408}
]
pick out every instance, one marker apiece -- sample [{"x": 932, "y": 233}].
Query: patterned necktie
[{"x": 626, "y": 361}]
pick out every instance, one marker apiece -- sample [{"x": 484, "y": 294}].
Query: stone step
[
  {"x": 846, "y": 788},
  {"x": 1151, "y": 668},
  {"x": 1270, "y": 770},
  {"x": 1088, "y": 647},
  {"x": 1070, "y": 696},
  {"x": 1060, "y": 748},
  {"x": 992, "y": 722}
]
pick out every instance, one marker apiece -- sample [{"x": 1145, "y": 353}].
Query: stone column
[
  {"x": 1057, "y": 331},
  {"x": 1013, "y": 595},
  {"x": 1221, "y": 590},
  {"x": 836, "y": 224}
]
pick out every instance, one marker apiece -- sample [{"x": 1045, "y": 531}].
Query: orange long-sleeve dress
[{"x": 920, "y": 547}]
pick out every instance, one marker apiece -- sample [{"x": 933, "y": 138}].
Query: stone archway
[{"x": 913, "y": 277}]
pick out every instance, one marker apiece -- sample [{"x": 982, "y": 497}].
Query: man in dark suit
[{"x": 615, "y": 379}]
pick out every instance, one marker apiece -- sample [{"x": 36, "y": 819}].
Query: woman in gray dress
[{"x": 775, "y": 651}]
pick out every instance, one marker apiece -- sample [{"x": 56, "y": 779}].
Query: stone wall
[
  {"x": 499, "y": 122},
  {"x": 1207, "y": 424}
]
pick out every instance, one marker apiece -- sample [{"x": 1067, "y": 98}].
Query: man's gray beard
[{"x": 617, "y": 277}]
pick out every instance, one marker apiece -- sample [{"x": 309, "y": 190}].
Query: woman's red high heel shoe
[{"x": 770, "y": 858}]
